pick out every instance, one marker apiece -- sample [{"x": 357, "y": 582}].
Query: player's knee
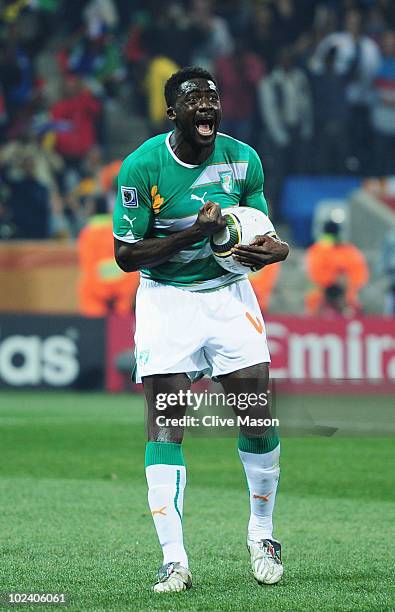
[
  {"x": 166, "y": 425},
  {"x": 258, "y": 431},
  {"x": 166, "y": 434}
]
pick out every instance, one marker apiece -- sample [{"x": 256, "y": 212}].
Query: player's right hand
[{"x": 210, "y": 219}]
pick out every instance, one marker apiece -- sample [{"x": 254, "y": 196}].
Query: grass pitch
[{"x": 74, "y": 516}]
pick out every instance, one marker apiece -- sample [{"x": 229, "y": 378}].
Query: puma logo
[
  {"x": 195, "y": 197},
  {"x": 131, "y": 221},
  {"x": 255, "y": 322},
  {"x": 264, "y": 498},
  {"x": 159, "y": 511}
]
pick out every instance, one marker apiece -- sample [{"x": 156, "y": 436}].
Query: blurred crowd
[{"x": 309, "y": 83}]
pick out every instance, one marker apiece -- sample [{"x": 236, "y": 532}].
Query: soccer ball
[{"x": 242, "y": 225}]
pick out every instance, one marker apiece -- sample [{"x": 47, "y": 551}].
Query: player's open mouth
[{"x": 205, "y": 127}]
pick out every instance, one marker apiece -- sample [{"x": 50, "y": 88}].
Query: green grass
[{"x": 74, "y": 516}]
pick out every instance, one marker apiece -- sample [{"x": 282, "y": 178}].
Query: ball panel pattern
[{"x": 235, "y": 235}]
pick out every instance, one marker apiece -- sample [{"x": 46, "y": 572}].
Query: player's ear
[{"x": 171, "y": 113}]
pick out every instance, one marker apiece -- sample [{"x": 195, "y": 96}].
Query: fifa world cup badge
[{"x": 129, "y": 197}]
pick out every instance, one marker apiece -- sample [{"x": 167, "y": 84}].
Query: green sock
[
  {"x": 264, "y": 444},
  {"x": 163, "y": 452}
]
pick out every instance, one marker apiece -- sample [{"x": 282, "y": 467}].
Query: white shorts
[{"x": 197, "y": 333}]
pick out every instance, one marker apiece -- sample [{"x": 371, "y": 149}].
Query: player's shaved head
[{"x": 174, "y": 83}]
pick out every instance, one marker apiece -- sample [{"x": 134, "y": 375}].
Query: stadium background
[{"x": 311, "y": 85}]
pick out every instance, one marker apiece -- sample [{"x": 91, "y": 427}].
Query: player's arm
[
  {"x": 264, "y": 249},
  {"x": 151, "y": 252}
]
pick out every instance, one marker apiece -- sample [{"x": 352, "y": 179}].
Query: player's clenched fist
[{"x": 210, "y": 219}]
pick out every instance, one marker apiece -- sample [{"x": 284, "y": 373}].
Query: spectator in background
[
  {"x": 71, "y": 17},
  {"x": 334, "y": 303},
  {"x": 331, "y": 114},
  {"x": 157, "y": 42},
  {"x": 159, "y": 71},
  {"x": 324, "y": 21},
  {"x": 287, "y": 114},
  {"x": 236, "y": 14},
  {"x": 78, "y": 111},
  {"x": 95, "y": 56},
  {"x": 49, "y": 167},
  {"x": 171, "y": 33},
  {"x": 88, "y": 195},
  {"x": 109, "y": 174},
  {"x": 136, "y": 58},
  {"x": 383, "y": 109},
  {"x": 237, "y": 76},
  {"x": 333, "y": 262},
  {"x": 103, "y": 287},
  {"x": 101, "y": 176},
  {"x": 33, "y": 122},
  {"x": 387, "y": 8},
  {"x": 27, "y": 201},
  {"x": 100, "y": 16},
  {"x": 263, "y": 37},
  {"x": 375, "y": 22},
  {"x": 215, "y": 39},
  {"x": 96, "y": 189},
  {"x": 98, "y": 60},
  {"x": 358, "y": 58},
  {"x": 16, "y": 73},
  {"x": 289, "y": 20},
  {"x": 10, "y": 77}
]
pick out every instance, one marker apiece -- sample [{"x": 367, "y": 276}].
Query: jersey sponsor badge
[
  {"x": 227, "y": 182},
  {"x": 129, "y": 197}
]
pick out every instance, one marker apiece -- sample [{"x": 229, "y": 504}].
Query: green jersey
[{"x": 158, "y": 194}]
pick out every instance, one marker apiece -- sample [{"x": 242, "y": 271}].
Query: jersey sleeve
[
  {"x": 133, "y": 215},
  {"x": 253, "y": 188}
]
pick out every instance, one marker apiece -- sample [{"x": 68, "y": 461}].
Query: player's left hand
[{"x": 262, "y": 251}]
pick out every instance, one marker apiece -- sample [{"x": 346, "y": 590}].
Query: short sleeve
[
  {"x": 253, "y": 189},
  {"x": 133, "y": 215}
]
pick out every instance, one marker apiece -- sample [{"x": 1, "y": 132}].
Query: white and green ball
[{"x": 243, "y": 223}]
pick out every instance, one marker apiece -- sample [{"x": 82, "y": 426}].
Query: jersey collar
[{"x": 174, "y": 156}]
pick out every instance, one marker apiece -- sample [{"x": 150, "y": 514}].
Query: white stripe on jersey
[
  {"x": 188, "y": 255},
  {"x": 211, "y": 174},
  {"x": 126, "y": 238},
  {"x": 214, "y": 283},
  {"x": 174, "y": 225}
]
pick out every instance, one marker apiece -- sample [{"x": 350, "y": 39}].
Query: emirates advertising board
[
  {"x": 306, "y": 353},
  {"x": 72, "y": 352}
]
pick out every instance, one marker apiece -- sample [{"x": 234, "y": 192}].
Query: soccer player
[{"x": 192, "y": 316}]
